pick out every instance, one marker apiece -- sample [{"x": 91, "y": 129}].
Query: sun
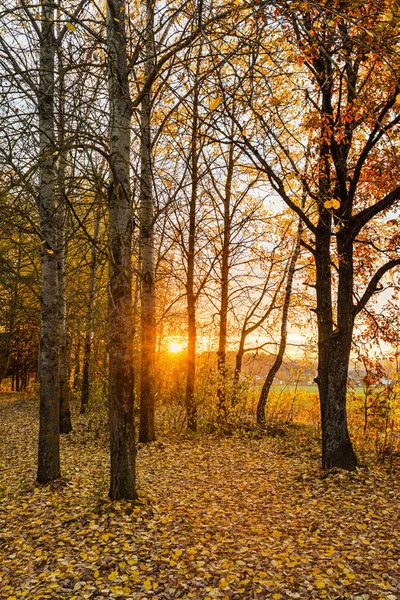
[{"x": 175, "y": 347}]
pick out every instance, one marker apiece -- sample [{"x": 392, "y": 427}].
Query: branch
[
  {"x": 357, "y": 221},
  {"x": 373, "y": 284}
]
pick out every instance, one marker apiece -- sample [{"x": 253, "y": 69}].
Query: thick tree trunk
[
  {"x": 223, "y": 311},
  {"x": 148, "y": 295},
  {"x": 121, "y": 379},
  {"x": 262, "y": 402},
  {"x": 337, "y": 450},
  {"x": 89, "y": 318},
  {"x": 49, "y": 427},
  {"x": 334, "y": 354}
]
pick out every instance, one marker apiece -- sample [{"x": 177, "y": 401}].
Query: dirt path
[{"x": 228, "y": 519}]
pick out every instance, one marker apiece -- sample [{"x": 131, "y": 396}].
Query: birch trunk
[
  {"x": 121, "y": 379},
  {"x": 49, "y": 426},
  {"x": 148, "y": 295}
]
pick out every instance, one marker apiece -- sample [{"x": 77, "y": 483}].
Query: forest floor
[{"x": 228, "y": 518}]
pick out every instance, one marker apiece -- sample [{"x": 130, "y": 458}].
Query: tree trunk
[
  {"x": 121, "y": 378},
  {"x": 148, "y": 296},
  {"x": 223, "y": 311},
  {"x": 89, "y": 317},
  {"x": 191, "y": 408},
  {"x": 13, "y": 315},
  {"x": 65, "y": 413},
  {"x": 63, "y": 387},
  {"x": 282, "y": 344},
  {"x": 239, "y": 359},
  {"x": 334, "y": 347},
  {"x": 77, "y": 365},
  {"x": 49, "y": 427}
]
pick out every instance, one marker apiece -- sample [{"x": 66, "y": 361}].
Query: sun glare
[{"x": 175, "y": 347}]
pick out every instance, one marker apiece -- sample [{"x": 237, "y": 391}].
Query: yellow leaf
[
  {"x": 70, "y": 26},
  {"x": 335, "y": 204},
  {"x": 337, "y": 229},
  {"x": 320, "y": 584},
  {"x": 291, "y": 176},
  {"x": 398, "y": 98},
  {"x": 276, "y": 596},
  {"x": 328, "y": 204},
  {"x": 147, "y": 585},
  {"x": 113, "y": 576},
  {"x": 215, "y": 103}
]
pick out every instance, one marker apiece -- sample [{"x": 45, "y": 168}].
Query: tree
[
  {"x": 147, "y": 239},
  {"x": 49, "y": 452},
  {"x": 276, "y": 365},
  {"x": 353, "y": 129},
  {"x": 121, "y": 376},
  {"x": 62, "y": 214}
]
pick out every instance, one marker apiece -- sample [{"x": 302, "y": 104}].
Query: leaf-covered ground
[{"x": 220, "y": 518}]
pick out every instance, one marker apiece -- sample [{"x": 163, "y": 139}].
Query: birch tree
[{"x": 121, "y": 377}]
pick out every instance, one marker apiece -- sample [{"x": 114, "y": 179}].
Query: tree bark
[
  {"x": 223, "y": 311},
  {"x": 63, "y": 385},
  {"x": 148, "y": 295},
  {"x": 334, "y": 345},
  {"x": 77, "y": 365},
  {"x": 63, "y": 388},
  {"x": 239, "y": 359},
  {"x": 89, "y": 317},
  {"x": 13, "y": 314},
  {"x": 49, "y": 426},
  {"x": 190, "y": 401},
  {"x": 121, "y": 377},
  {"x": 334, "y": 342}
]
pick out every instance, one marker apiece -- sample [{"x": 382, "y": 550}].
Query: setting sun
[{"x": 175, "y": 347}]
